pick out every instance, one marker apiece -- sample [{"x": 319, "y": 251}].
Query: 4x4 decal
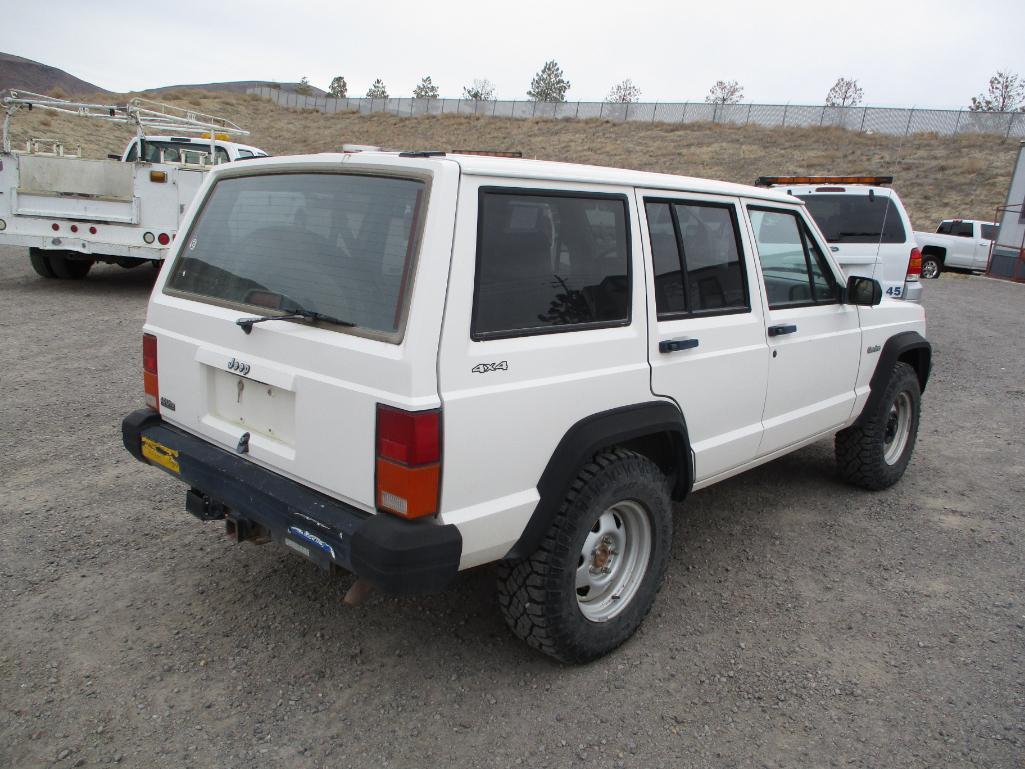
[{"x": 483, "y": 368}]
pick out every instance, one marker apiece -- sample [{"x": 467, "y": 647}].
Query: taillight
[
  {"x": 163, "y": 238},
  {"x": 408, "y": 461},
  {"x": 914, "y": 264},
  {"x": 149, "y": 371}
]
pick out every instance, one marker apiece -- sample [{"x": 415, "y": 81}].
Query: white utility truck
[
  {"x": 72, "y": 211},
  {"x": 963, "y": 244}
]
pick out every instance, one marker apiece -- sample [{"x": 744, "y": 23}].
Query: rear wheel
[
  {"x": 931, "y": 267},
  {"x": 41, "y": 263},
  {"x": 69, "y": 269},
  {"x": 596, "y": 572}
]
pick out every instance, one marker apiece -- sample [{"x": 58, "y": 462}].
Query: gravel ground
[{"x": 803, "y": 623}]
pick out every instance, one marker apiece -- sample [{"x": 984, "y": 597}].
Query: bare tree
[
  {"x": 480, "y": 89},
  {"x": 377, "y": 90},
  {"x": 845, "y": 93},
  {"x": 725, "y": 92},
  {"x": 1006, "y": 93},
  {"x": 425, "y": 89},
  {"x": 303, "y": 86},
  {"x": 338, "y": 88},
  {"x": 549, "y": 84},
  {"x": 624, "y": 92}
]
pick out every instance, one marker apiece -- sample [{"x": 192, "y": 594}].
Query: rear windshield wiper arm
[{"x": 295, "y": 313}]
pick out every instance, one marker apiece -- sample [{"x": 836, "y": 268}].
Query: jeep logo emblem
[{"x": 236, "y": 365}]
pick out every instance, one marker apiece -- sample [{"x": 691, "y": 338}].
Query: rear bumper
[
  {"x": 79, "y": 246},
  {"x": 396, "y": 556},
  {"x": 913, "y": 291}
]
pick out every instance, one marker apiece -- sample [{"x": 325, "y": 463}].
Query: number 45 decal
[
  {"x": 483, "y": 368},
  {"x": 894, "y": 291}
]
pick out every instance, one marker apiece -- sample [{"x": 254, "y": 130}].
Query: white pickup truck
[
  {"x": 72, "y": 212},
  {"x": 960, "y": 243}
]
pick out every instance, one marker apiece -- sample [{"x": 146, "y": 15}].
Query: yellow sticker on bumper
[{"x": 159, "y": 454}]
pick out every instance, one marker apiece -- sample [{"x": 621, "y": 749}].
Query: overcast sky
[{"x": 902, "y": 53}]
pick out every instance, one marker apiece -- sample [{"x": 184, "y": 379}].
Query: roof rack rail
[
  {"x": 490, "y": 153},
  {"x": 144, "y": 114}
]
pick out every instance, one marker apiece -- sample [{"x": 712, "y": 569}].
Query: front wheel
[
  {"x": 931, "y": 267},
  {"x": 875, "y": 452},
  {"x": 596, "y": 572}
]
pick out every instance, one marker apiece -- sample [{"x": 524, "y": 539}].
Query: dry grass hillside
[{"x": 938, "y": 177}]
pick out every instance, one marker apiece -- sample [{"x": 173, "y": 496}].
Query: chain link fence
[{"x": 886, "y": 120}]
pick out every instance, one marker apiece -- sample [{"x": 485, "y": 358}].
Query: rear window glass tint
[
  {"x": 546, "y": 261},
  {"x": 715, "y": 274},
  {"x": 989, "y": 231},
  {"x": 856, "y": 218},
  {"x": 337, "y": 244}
]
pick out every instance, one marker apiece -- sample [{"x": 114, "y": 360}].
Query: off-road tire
[
  {"x": 927, "y": 272},
  {"x": 538, "y": 596},
  {"x": 861, "y": 448},
  {"x": 41, "y": 263},
  {"x": 69, "y": 269}
]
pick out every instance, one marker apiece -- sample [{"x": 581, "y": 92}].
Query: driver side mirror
[{"x": 864, "y": 292}]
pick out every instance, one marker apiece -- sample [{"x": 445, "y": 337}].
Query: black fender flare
[
  {"x": 591, "y": 435},
  {"x": 909, "y": 345}
]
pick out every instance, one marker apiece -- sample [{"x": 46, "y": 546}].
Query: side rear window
[
  {"x": 697, "y": 259},
  {"x": 963, "y": 230},
  {"x": 794, "y": 268},
  {"x": 989, "y": 231},
  {"x": 550, "y": 261}
]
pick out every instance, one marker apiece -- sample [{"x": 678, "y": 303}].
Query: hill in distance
[{"x": 19, "y": 72}]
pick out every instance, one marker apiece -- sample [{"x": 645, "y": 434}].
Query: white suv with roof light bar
[
  {"x": 405, "y": 365},
  {"x": 866, "y": 226}
]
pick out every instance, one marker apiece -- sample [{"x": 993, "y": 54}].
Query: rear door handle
[
  {"x": 787, "y": 328},
  {"x": 672, "y": 345}
]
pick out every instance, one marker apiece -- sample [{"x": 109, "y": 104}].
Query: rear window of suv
[
  {"x": 341, "y": 245},
  {"x": 856, "y": 218},
  {"x": 550, "y": 261}
]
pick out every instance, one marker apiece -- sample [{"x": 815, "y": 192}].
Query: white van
[{"x": 409, "y": 364}]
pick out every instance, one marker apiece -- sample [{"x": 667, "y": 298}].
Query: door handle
[
  {"x": 672, "y": 345},
  {"x": 787, "y": 328}
]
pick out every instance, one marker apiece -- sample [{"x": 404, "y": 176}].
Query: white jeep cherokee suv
[{"x": 409, "y": 364}]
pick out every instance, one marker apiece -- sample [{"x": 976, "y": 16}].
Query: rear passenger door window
[
  {"x": 550, "y": 261},
  {"x": 697, "y": 260},
  {"x": 793, "y": 266}
]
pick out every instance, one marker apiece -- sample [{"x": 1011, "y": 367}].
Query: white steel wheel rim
[
  {"x": 930, "y": 269},
  {"x": 897, "y": 429},
  {"x": 613, "y": 560}
]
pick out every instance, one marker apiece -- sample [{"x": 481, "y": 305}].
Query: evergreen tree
[{"x": 549, "y": 84}]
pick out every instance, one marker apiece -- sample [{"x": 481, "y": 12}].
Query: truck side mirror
[{"x": 864, "y": 292}]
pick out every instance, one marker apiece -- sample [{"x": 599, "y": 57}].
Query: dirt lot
[{"x": 804, "y": 623}]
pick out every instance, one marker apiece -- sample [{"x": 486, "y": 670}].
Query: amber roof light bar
[{"x": 772, "y": 181}]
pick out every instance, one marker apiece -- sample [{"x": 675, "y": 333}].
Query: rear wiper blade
[{"x": 294, "y": 313}]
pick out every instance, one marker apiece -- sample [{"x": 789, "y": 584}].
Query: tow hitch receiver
[
  {"x": 204, "y": 508},
  {"x": 243, "y": 530}
]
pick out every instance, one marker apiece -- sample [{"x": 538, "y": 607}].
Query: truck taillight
[
  {"x": 914, "y": 264},
  {"x": 408, "y": 461},
  {"x": 149, "y": 371}
]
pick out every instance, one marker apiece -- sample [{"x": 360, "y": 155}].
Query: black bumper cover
[{"x": 394, "y": 555}]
